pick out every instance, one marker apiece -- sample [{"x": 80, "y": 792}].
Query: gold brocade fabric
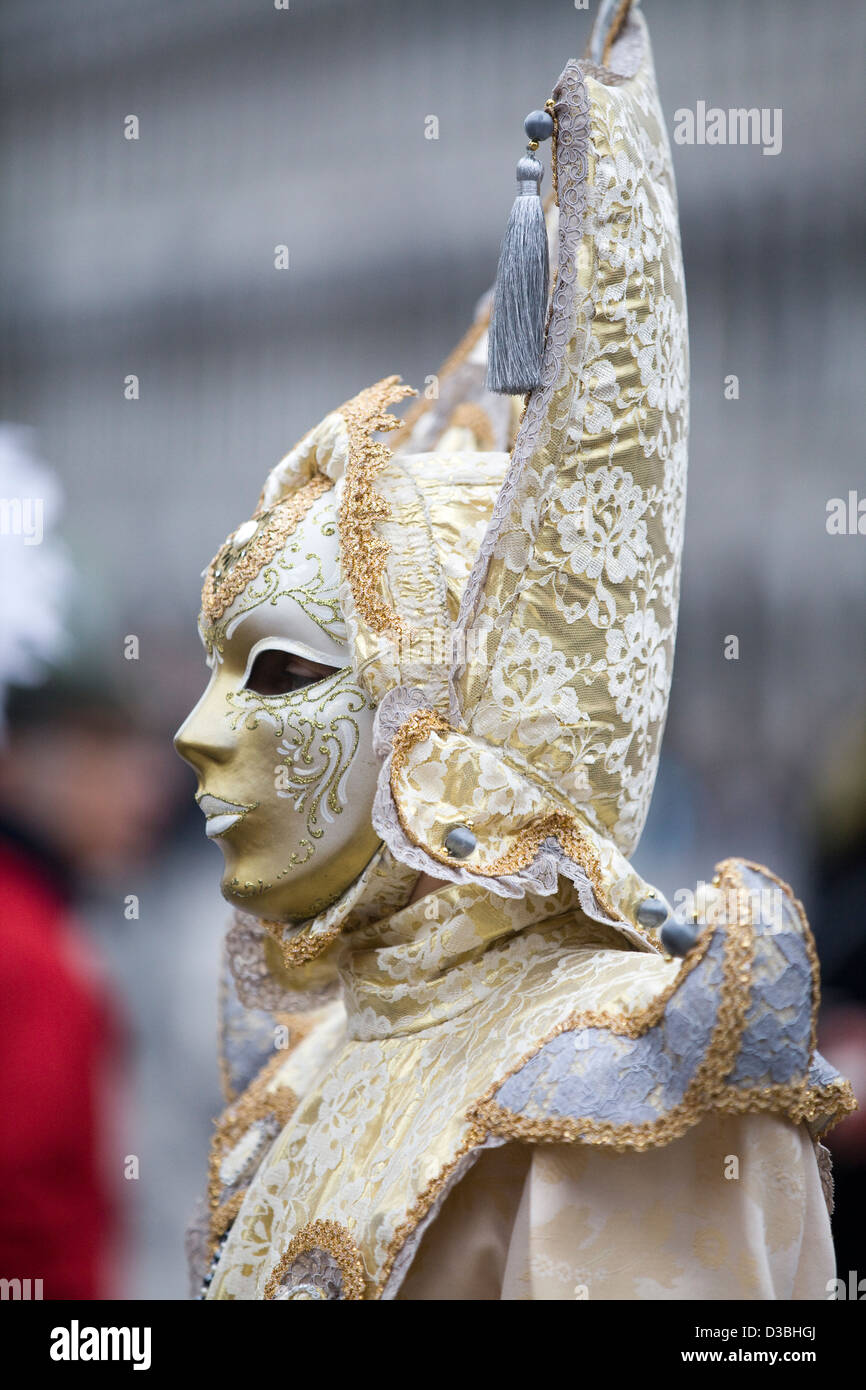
[
  {"x": 530, "y": 600},
  {"x": 572, "y": 1223},
  {"x": 442, "y": 998},
  {"x": 581, "y": 590},
  {"x": 438, "y": 958},
  {"x": 249, "y": 1124}
]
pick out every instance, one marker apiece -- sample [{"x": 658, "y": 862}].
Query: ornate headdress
[{"x": 520, "y": 740}]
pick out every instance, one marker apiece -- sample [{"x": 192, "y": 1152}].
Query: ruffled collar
[
  {"x": 287, "y": 968},
  {"x": 442, "y": 955}
]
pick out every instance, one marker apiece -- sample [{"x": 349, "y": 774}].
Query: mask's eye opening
[{"x": 276, "y": 672}]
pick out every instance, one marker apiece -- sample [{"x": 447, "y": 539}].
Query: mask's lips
[{"x": 221, "y": 815}]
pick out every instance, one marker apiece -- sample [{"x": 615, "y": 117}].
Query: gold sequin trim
[
  {"x": 362, "y": 552},
  {"x": 707, "y": 1090},
  {"x": 253, "y": 1105},
  {"x": 422, "y": 1204},
  {"x": 526, "y": 842},
  {"x": 234, "y": 566},
  {"x": 335, "y": 1240}
]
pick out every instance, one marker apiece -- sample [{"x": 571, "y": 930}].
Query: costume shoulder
[{"x": 733, "y": 1032}]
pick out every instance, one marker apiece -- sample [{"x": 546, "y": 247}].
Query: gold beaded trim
[
  {"x": 234, "y": 566},
  {"x": 526, "y": 841},
  {"x": 254, "y": 1104},
  {"x": 335, "y": 1240},
  {"x": 705, "y": 1092},
  {"x": 707, "y": 1089},
  {"x": 362, "y": 552},
  {"x": 304, "y": 946},
  {"x": 422, "y": 1204}
]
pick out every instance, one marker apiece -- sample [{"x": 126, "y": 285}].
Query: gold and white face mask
[{"x": 282, "y": 736}]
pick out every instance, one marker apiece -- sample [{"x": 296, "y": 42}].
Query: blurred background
[{"x": 154, "y": 257}]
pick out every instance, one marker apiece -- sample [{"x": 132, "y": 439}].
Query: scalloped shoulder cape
[{"x": 474, "y": 1021}]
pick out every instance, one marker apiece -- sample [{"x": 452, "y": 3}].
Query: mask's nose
[{"x": 202, "y": 740}]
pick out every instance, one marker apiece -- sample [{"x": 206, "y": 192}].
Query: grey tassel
[{"x": 516, "y": 339}]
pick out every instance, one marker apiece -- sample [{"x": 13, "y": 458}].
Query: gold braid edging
[
  {"x": 729, "y": 866},
  {"x": 304, "y": 946},
  {"x": 705, "y": 1093},
  {"x": 527, "y": 842},
  {"x": 422, "y": 1204},
  {"x": 480, "y": 1116},
  {"x": 362, "y": 552},
  {"x": 707, "y": 1090},
  {"x": 335, "y": 1240},
  {"x": 837, "y": 1099},
  {"x": 255, "y": 1103},
  {"x": 276, "y": 524},
  {"x": 705, "y": 1085}
]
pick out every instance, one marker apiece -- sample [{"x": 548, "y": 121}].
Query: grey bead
[
  {"x": 460, "y": 842},
  {"x": 678, "y": 938},
  {"x": 539, "y": 125},
  {"x": 652, "y": 913}
]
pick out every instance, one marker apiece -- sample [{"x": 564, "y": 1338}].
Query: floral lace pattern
[
  {"x": 300, "y": 1048},
  {"x": 458, "y": 984},
  {"x": 565, "y": 633},
  {"x": 312, "y": 1276},
  {"x": 576, "y": 584},
  {"x": 738, "y": 1032},
  {"x": 442, "y": 778},
  {"x": 762, "y": 1237},
  {"x": 515, "y": 1003},
  {"x": 445, "y": 998}
]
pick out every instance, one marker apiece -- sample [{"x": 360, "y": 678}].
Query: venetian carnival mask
[{"x": 282, "y": 736}]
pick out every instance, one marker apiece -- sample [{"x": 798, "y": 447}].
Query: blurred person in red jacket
[{"x": 80, "y": 796}]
